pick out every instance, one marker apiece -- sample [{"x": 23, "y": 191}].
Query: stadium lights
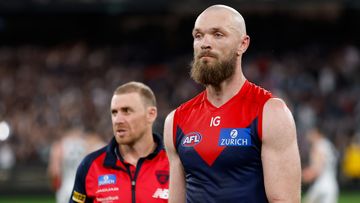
[{"x": 4, "y": 130}]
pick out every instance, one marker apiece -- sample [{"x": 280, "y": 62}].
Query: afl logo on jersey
[{"x": 191, "y": 139}]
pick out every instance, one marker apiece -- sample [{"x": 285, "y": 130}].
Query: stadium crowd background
[{"x": 58, "y": 68}]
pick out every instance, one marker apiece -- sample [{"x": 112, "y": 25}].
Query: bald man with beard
[{"x": 233, "y": 142}]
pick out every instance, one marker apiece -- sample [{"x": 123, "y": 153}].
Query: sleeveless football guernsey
[{"x": 220, "y": 148}]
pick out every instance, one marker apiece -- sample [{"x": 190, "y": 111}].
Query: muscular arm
[
  {"x": 280, "y": 154},
  {"x": 177, "y": 178}
]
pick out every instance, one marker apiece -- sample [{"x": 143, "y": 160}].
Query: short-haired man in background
[{"x": 134, "y": 166}]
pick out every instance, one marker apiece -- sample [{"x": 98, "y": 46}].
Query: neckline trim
[{"x": 244, "y": 88}]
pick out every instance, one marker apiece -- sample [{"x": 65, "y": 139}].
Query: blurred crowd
[{"x": 46, "y": 90}]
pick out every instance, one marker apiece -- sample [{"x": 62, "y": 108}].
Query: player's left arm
[
  {"x": 79, "y": 193},
  {"x": 280, "y": 153}
]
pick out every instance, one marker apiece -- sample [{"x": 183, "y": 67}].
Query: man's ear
[
  {"x": 151, "y": 113},
  {"x": 244, "y": 44}
]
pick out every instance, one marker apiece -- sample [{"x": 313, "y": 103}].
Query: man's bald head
[
  {"x": 233, "y": 17},
  {"x": 220, "y": 40}
]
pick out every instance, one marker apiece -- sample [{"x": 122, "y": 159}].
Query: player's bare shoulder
[{"x": 278, "y": 122}]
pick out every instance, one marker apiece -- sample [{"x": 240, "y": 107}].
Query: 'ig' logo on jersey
[
  {"x": 191, "y": 139},
  {"x": 215, "y": 121}
]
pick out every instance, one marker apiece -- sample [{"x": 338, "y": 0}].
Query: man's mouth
[
  {"x": 207, "y": 54},
  {"x": 120, "y": 132}
]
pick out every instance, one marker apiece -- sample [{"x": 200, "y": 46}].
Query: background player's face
[
  {"x": 215, "y": 47},
  {"x": 129, "y": 117}
]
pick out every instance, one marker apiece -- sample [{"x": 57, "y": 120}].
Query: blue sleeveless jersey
[{"x": 220, "y": 148}]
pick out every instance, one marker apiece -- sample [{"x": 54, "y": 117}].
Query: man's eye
[
  {"x": 126, "y": 110},
  {"x": 218, "y": 34},
  {"x": 197, "y": 36}
]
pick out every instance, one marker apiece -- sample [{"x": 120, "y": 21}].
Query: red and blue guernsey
[
  {"x": 220, "y": 148},
  {"x": 104, "y": 176}
]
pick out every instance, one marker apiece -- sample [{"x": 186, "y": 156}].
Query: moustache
[
  {"x": 207, "y": 54},
  {"x": 119, "y": 126}
]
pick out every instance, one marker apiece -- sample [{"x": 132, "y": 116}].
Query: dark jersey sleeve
[{"x": 79, "y": 194}]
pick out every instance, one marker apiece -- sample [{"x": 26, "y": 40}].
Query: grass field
[
  {"x": 30, "y": 199},
  {"x": 346, "y": 197},
  {"x": 350, "y": 197}
]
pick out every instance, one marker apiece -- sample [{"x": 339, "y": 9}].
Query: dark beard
[{"x": 206, "y": 74}]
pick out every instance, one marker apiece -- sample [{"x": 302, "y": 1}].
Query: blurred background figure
[
  {"x": 322, "y": 170},
  {"x": 7, "y": 160},
  {"x": 351, "y": 160},
  {"x": 7, "y": 155},
  {"x": 65, "y": 157}
]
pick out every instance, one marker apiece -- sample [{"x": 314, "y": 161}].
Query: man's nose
[
  {"x": 119, "y": 118},
  {"x": 206, "y": 42}
]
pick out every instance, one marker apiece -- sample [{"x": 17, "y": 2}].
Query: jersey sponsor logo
[
  {"x": 106, "y": 179},
  {"x": 215, "y": 121},
  {"x": 105, "y": 190},
  {"x": 191, "y": 139},
  {"x": 161, "y": 194},
  {"x": 107, "y": 199},
  {"x": 78, "y": 197},
  {"x": 162, "y": 176},
  {"x": 235, "y": 137}
]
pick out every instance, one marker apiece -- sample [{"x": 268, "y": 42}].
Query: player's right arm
[{"x": 177, "y": 177}]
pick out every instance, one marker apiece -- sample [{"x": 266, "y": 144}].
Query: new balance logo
[{"x": 161, "y": 194}]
